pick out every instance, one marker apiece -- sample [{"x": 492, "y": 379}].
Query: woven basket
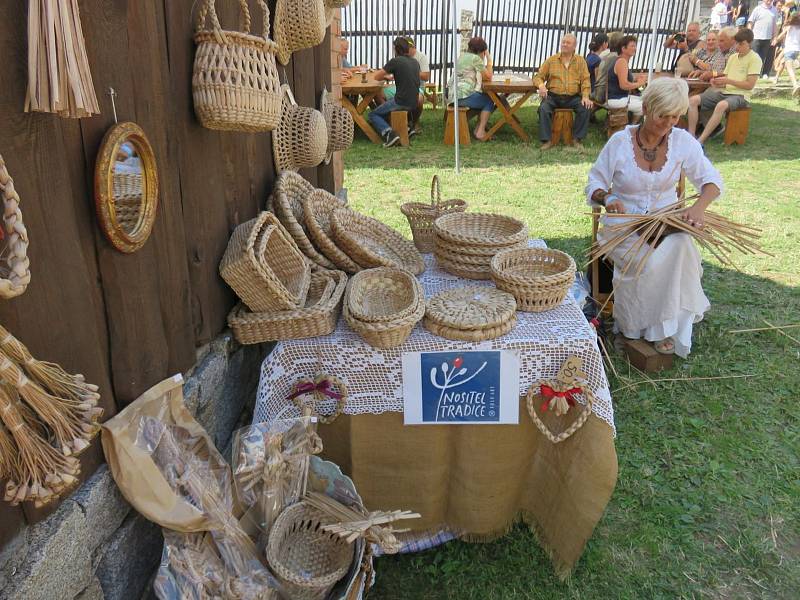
[
  {"x": 469, "y": 335},
  {"x": 383, "y": 294},
  {"x": 370, "y": 243},
  {"x": 386, "y": 334},
  {"x": 301, "y": 139},
  {"x": 286, "y": 202},
  {"x": 471, "y": 308},
  {"x": 235, "y": 83},
  {"x": 306, "y": 560},
  {"x": 539, "y": 278},
  {"x": 299, "y": 24},
  {"x": 339, "y": 122},
  {"x": 466, "y": 250},
  {"x": 264, "y": 267},
  {"x": 480, "y": 229},
  {"x": 319, "y": 316},
  {"x": 421, "y": 216},
  {"x": 478, "y": 273},
  {"x": 318, "y": 208},
  {"x": 15, "y": 273}
]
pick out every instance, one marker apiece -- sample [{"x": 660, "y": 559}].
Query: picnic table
[
  {"x": 471, "y": 481},
  {"x": 367, "y": 90},
  {"x": 499, "y": 89}
]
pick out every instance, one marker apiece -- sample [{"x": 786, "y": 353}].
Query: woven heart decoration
[
  {"x": 307, "y": 394},
  {"x": 15, "y": 274}
]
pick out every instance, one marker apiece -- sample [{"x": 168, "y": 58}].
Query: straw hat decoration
[
  {"x": 15, "y": 274},
  {"x": 299, "y": 24},
  {"x": 301, "y": 139},
  {"x": 339, "y": 122}
]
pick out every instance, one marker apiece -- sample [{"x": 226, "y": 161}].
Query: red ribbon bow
[
  {"x": 309, "y": 387},
  {"x": 549, "y": 393}
]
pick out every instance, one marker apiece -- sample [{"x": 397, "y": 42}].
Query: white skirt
[{"x": 667, "y": 298}]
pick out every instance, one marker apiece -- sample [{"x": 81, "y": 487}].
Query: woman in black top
[{"x": 622, "y": 85}]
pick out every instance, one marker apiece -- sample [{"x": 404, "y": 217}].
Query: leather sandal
[{"x": 665, "y": 346}]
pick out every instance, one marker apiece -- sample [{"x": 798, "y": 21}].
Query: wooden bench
[
  {"x": 463, "y": 127},
  {"x": 563, "y": 120},
  {"x": 399, "y": 122},
  {"x": 737, "y": 125},
  {"x": 431, "y": 94}
]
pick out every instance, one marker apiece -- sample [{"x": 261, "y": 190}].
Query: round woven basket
[
  {"x": 264, "y": 267},
  {"x": 471, "y": 308},
  {"x": 480, "y": 229},
  {"x": 539, "y": 278},
  {"x": 305, "y": 559},
  {"x": 385, "y": 334},
  {"x": 318, "y": 208},
  {"x": 370, "y": 243},
  {"x": 339, "y": 122},
  {"x": 383, "y": 294},
  {"x": 299, "y": 24},
  {"x": 235, "y": 83},
  {"x": 421, "y": 216},
  {"x": 15, "y": 273},
  {"x": 469, "y": 335},
  {"x": 468, "y": 251},
  {"x": 465, "y": 271},
  {"x": 301, "y": 139}
]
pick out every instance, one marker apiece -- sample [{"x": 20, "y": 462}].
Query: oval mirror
[{"x": 126, "y": 187}]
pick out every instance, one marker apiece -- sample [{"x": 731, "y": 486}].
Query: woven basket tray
[
  {"x": 307, "y": 560},
  {"x": 317, "y": 209},
  {"x": 385, "y": 334},
  {"x": 475, "y": 251},
  {"x": 264, "y": 267},
  {"x": 370, "y": 243},
  {"x": 465, "y": 271},
  {"x": 480, "y": 229},
  {"x": 421, "y": 216},
  {"x": 383, "y": 294},
  {"x": 471, "y": 308},
  {"x": 319, "y": 316},
  {"x": 539, "y": 278},
  {"x": 469, "y": 335}
]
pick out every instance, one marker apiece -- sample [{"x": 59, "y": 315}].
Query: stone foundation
[{"x": 95, "y": 546}]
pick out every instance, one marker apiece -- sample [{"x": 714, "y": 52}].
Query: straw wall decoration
[{"x": 15, "y": 272}]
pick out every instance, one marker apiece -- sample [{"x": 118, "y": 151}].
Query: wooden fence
[{"x": 129, "y": 321}]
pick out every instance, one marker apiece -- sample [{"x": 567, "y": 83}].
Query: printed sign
[{"x": 466, "y": 388}]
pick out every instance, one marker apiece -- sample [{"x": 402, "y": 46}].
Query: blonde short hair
[{"x": 666, "y": 96}]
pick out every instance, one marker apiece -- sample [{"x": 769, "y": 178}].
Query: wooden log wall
[{"x": 129, "y": 321}]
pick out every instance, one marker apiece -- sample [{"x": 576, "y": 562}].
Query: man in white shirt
[
  {"x": 719, "y": 15},
  {"x": 764, "y": 23}
]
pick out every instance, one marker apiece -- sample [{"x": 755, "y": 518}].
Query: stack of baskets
[
  {"x": 538, "y": 278},
  {"x": 383, "y": 305},
  {"x": 471, "y": 314},
  {"x": 466, "y": 242},
  {"x": 421, "y": 216}
]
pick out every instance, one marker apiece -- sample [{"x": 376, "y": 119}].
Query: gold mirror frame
[{"x": 105, "y": 206}]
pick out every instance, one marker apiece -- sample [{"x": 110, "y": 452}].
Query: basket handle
[
  {"x": 208, "y": 8},
  {"x": 287, "y": 91},
  {"x": 436, "y": 191}
]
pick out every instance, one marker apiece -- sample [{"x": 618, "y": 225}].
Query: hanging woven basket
[
  {"x": 339, "y": 122},
  {"x": 235, "y": 83},
  {"x": 15, "y": 274},
  {"x": 301, "y": 139},
  {"x": 299, "y": 24}
]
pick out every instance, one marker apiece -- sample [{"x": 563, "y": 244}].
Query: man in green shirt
[{"x": 730, "y": 91}]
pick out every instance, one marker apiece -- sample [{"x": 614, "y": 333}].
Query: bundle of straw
[
  {"x": 59, "y": 79},
  {"x": 720, "y": 236}
]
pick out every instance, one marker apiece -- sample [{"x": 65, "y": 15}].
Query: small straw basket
[
  {"x": 421, "y": 216},
  {"x": 538, "y": 278}
]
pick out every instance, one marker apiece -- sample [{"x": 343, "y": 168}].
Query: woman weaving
[{"x": 637, "y": 173}]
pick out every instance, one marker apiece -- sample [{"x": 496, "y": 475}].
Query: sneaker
[
  {"x": 765, "y": 77},
  {"x": 412, "y": 131},
  {"x": 546, "y": 146},
  {"x": 390, "y": 138}
]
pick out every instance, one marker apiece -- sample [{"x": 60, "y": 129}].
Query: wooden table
[
  {"x": 696, "y": 86},
  {"x": 355, "y": 87},
  {"x": 498, "y": 91}
]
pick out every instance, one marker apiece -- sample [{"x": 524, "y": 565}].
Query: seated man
[
  {"x": 347, "y": 69},
  {"x": 424, "y": 75},
  {"x": 563, "y": 82},
  {"x": 691, "y": 61},
  {"x": 405, "y": 71},
  {"x": 688, "y": 42},
  {"x": 731, "y": 91},
  {"x": 704, "y": 68}
]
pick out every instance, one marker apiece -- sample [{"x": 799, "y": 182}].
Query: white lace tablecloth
[{"x": 374, "y": 376}]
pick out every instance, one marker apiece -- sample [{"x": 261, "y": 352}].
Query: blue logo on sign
[{"x": 460, "y": 387}]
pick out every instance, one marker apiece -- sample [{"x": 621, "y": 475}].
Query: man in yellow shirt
[
  {"x": 731, "y": 91},
  {"x": 563, "y": 81}
]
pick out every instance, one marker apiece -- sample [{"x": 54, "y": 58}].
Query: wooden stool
[
  {"x": 645, "y": 358},
  {"x": 616, "y": 120},
  {"x": 736, "y": 126},
  {"x": 463, "y": 127},
  {"x": 431, "y": 94},
  {"x": 399, "y": 122},
  {"x": 562, "y": 126}
]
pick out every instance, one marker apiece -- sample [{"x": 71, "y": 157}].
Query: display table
[{"x": 475, "y": 480}]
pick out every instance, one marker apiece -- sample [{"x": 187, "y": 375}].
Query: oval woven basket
[
  {"x": 307, "y": 560},
  {"x": 370, "y": 243},
  {"x": 386, "y": 334},
  {"x": 264, "y": 267},
  {"x": 470, "y": 251},
  {"x": 317, "y": 210},
  {"x": 339, "y": 122},
  {"x": 301, "y": 139},
  {"x": 318, "y": 317},
  {"x": 235, "y": 83},
  {"x": 383, "y": 294},
  {"x": 539, "y": 278},
  {"x": 15, "y": 273},
  {"x": 480, "y": 229},
  {"x": 299, "y": 24},
  {"x": 421, "y": 216}
]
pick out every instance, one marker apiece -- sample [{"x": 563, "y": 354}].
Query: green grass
[{"x": 707, "y": 504}]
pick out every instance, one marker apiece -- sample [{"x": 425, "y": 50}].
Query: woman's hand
[
  {"x": 615, "y": 207},
  {"x": 695, "y": 216}
]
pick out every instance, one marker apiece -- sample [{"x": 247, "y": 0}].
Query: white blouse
[{"x": 641, "y": 191}]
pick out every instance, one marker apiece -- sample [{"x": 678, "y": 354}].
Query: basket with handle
[
  {"x": 299, "y": 24},
  {"x": 421, "y": 216},
  {"x": 301, "y": 139},
  {"x": 340, "y": 124},
  {"x": 235, "y": 84}
]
